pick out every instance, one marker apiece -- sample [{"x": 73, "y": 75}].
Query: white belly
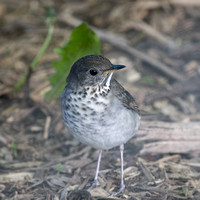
[{"x": 102, "y": 127}]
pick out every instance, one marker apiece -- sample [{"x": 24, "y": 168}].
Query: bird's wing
[{"x": 127, "y": 100}]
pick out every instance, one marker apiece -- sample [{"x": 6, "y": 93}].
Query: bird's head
[{"x": 92, "y": 70}]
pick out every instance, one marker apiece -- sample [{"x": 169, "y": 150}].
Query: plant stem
[
  {"x": 36, "y": 60},
  {"x": 44, "y": 46}
]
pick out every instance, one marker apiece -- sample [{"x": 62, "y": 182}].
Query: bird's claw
[
  {"x": 94, "y": 184},
  {"x": 121, "y": 190}
]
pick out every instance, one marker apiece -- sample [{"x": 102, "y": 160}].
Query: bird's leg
[
  {"x": 96, "y": 182},
  {"x": 122, "y": 185}
]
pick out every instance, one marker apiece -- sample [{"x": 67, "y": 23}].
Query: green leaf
[
  {"x": 60, "y": 168},
  {"x": 83, "y": 41},
  {"x": 14, "y": 146}
]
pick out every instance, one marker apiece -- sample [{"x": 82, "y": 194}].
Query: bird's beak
[{"x": 113, "y": 68}]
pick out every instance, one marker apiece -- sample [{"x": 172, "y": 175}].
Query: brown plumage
[
  {"x": 124, "y": 96},
  {"x": 97, "y": 110}
]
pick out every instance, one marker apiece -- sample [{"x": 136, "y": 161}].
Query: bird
[{"x": 97, "y": 110}]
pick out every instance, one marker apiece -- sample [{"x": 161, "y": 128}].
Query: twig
[
  {"x": 146, "y": 171},
  {"x": 124, "y": 45},
  {"x": 82, "y": 186},
  {"x": 147, "y": 29},
  {"x": 166, "y": 137},
  {"x": 179, "y": 89},
  {"x": 185, "y": 2},
  {"x": 46, "y": 128},
  {"x": 64, "y": 159}
]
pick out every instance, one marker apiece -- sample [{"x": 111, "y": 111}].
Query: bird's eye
[{"x": 93, "y": 72}]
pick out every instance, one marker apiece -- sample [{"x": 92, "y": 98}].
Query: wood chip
[{"x": 14, "y": 177}]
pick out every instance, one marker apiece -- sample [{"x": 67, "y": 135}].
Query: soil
[{"x": 39, "y": 159}]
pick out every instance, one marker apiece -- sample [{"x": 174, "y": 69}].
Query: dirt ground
[{"x": 158, "y": 41}]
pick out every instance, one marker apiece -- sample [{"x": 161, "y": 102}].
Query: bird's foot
[
  {"x": 94, "y": 184},
  {"x": 121, "y": 190}
]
